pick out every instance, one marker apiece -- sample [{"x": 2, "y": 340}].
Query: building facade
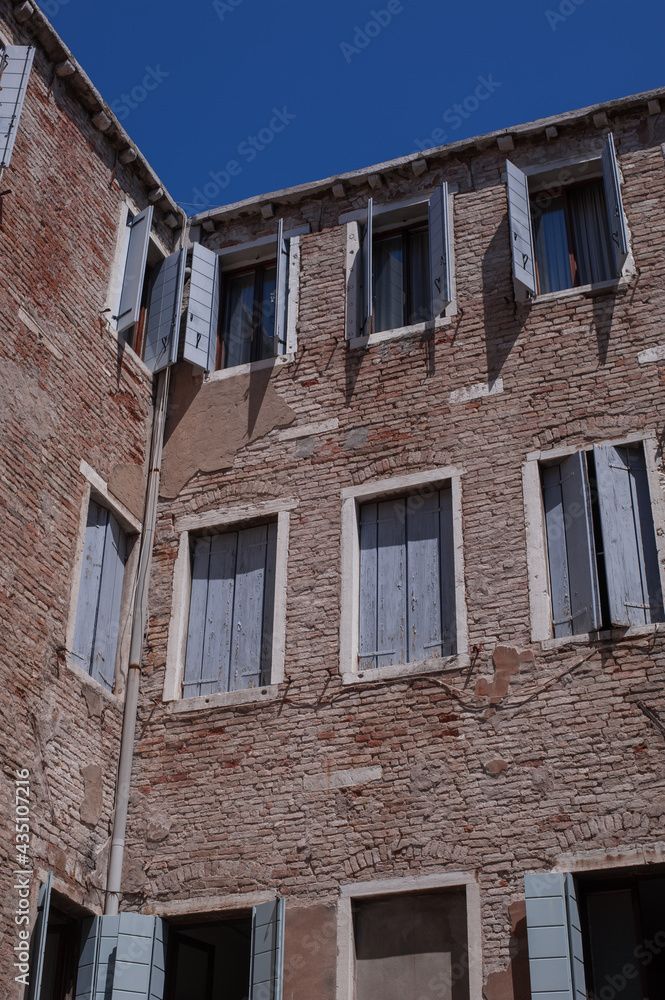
[{"x": 400, "y": 725}]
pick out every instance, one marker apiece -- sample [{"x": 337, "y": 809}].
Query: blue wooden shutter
[
  {"x": 248, "y": 609},
  {"x": 571, "y": 550},
  {"x": 86, "y": 978},
  {"x": 631, "y": 560},
  {"x": 424, "y": 593},
  {"x": 383, "y": 584},
  {"x": 614, "y": 201},
  {"x": 109, "y": 602},
  {"x": 447, "y": 571},
  {"x": 39, "y": 939},
  {"x": 368, "y": 292},
  {"x": 292, "y": 295},
  {"x": 14, "y": 76},
  {"x": 556, "y": 962},
  {"x": 281, "y": 285},
  {"x": 521, "y": 239},
  {"x": 203, "y": 308},
  {"x": 138, "y": 972},
  {"x": 132, "y": 282},
  {"x": 210, "y": 615},
  {"x": 267, "y": 958},
  {"x": 91, "y": 574},
  {"x": 440, "y": 251},
  {"x": 163, "y": 326}
]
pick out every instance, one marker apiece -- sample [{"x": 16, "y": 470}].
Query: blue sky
[{"x": 233, "y": 98}]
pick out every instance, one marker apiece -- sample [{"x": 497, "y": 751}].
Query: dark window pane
[
  {"x": 238, "y": 316},
  {"x": 418, "y": 277},
  {"x": 388, "y": 290}
]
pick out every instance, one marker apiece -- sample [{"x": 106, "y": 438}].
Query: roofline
[{"x": 529, "y": 128}]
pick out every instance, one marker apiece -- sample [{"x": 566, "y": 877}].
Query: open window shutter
[
  {"x": 86, "y": 978},
  {"x": 555, "y": 943},
  {"x": 292, "y": 296},
  {"x": 353, "y": 281},
  {"x": 281, "y": 284},
  {"x": 521, "y": 239},
  {"x": 440, "y": 251},
  {"x": 368, "y": 293},
  {"x": 91, "y": 574},
  {"x": 202, "y": 309},
  {"x": 138, "y": 972},
  {"x": 214, "y": 316},
  {"x": 628, "y": 541},
  {"x": 16, "y": 66},
  {"x": 614, "y": 201},
  {"x": 110, "y": 597},
  {"x": 39, "y": 939},
  {"x": 132, "y": 283},
  {"x": 267, "y": 961},
  {"x": 571, "y": 550},
  {"x": 161, "y": 336}
]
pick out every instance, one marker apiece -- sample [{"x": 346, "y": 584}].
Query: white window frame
[
  {"x": 257, "y": 252},
  {"x": 532, "y": 173},
  {"x": 96, "y": 489},
  {"x": 352, "y": 497},
  {"x": 416, "y": 211},
  {"x": 225, "y": 520},
  {"x": 408, "y": 885},
  {"x": 540, "y": 601}
]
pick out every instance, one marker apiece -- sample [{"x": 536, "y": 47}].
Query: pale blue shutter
[
  {"x": 202, "y": 311},
  {"x": 614, "y": 201},
  {"x": 267, "y": 958},
  {"x": 39, "y": 939},
  {"x": 368, "y": 292},
  {"x": 248, "y": 610},
  {"x": 556, "y": 961},
  {"x": 91, "y": 574},
  {"x": 431, "y": 576},
  {"x": 521, "y": 239},
  {"x": 138, "y": 972},
  {"x": 109, "y": 603},
  {"x": 571, "y": 550},
  {"x": 292, "y": 295},
  {"x": 16, "y": 66},
  {"x": 631, "y": 560},
  {"x": 210, "y": 615},
  {"x": 132, "y": 283},
  {"x": 281, "y": 285},
  {"x": 440, "y": 251},
  {"x": 86, "y": 978},
  {"x": 383, "y": 584},
  {"x": 163, "y": 326}
]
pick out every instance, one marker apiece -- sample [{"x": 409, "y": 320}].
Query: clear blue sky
[{"x": 217, "y": 69}]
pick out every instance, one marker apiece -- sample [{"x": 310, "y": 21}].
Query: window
[
  {"x": 596, "y": 935},
  {"x": 230, "y": 635},
  {"x": 404, "y": 275},
  {"x": 226, "y": 634},
  {"x": 402, "y": 577},
  {"x": 601, "y": 546},
  {"x": 15, "y": 66},
  {"x": 567, "y": 224},
  {"x": 421, "y": 942},
  {"x": 105, "y": 553},
  {"x": 55, "y": 949},
  {"x": 248, "y": 332}
]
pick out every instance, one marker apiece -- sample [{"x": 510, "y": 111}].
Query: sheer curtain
[
  {"x": 238, "y": 316},
  {"x": 387, "y": 281},
  {"x": 590, "y": 233},
  {"x": 418, "y": 278},
  {"x": 551, "y": 245}
]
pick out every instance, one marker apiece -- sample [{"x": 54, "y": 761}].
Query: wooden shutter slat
[
  {"x": 132, "y": 282},
  {"x": 268, "y": 603},
  {"x": 245, "y": 666},
  {"x": 17, "y": 63},
  {"x": 424, "y": 583},
  {"x": 293, "y": 295},
  {"x": 521, "y": 239},
  {"x": 392, "y": 583},
  {"x": 110, "y": 600},
  {"x": 447, "y": 572},
  {"x": 281, "y": 284},
  {"x": 202, "y": 309},
  {"x": 550, "y": 965},
  {"x": 132, "y": 968},
  {"x": 440, "y": 250},
  {"x": 198, "y": 602},
  {"x": 164, "y": 311},
  {"x": 91, "y": 573},
  {"x": 219, "y": 613},
  {"x": 614, "y": 202},
  {"x": 368, "y": 293},
  {"x": 556, "y": 551},
  {"x": 367, "y": 637}
]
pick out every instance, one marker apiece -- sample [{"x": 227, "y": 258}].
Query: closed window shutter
[
  {"x": 202, "y": 310},
  {"x": 132, "y": 282},
  {"x": 163, "y": 326},
  {"x": 556, "y": 962},
  {"x": 571, "y": 550},
  {"x": 91, "y": 574},
  {"x": 16, "y": 66},
  {"x": 368, "y": 292},
  {"x": 440, "y": 251},
  {"x": 292, "y": 296},
  {"x": 39, "y": 939},
  {"x": 614, "y": 201},
  {"x": 631, "y": 561},
  {"x": 281, "y": 285},
  {"x": 267, "y": 958},
  {"x": 110, "y": 598},
  {"x": 521, "y": 239},
  {"x": 86, "y": 978},
  {"x": 383, "y": 625},
  {"x": 248, "y": 611},
  {"x": 428, "y": 581}
]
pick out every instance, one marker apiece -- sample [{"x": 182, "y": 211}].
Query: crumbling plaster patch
[
  {"x": 209, "y": 422},
  {"x": 507, "y": 661},
  {"x": 93, "y": 790}
]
